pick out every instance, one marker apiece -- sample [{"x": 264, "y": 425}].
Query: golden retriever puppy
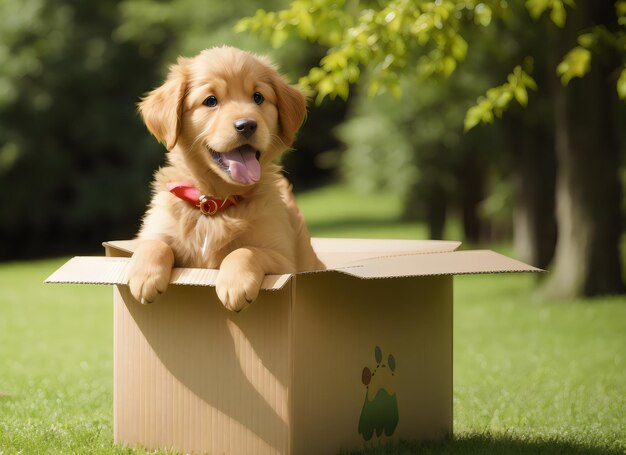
[{"x": 225, "y": 117}]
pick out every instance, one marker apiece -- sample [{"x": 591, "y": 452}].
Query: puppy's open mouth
[{"x": 241, "y": 164}]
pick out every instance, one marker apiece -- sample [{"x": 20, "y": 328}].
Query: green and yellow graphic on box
[{"x": 380, "y": 408}]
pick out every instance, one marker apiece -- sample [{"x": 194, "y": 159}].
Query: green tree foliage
[
  {"x": 185, "y": 27},
  {"x": 71, "y": 145},
  {"x": 423, "y": 37},
  {"x": 497, "y": 99}
]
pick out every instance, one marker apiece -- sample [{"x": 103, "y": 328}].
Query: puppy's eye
[
  {"x": 211, "y": 101},
  {"x": 258, "y": 98}
]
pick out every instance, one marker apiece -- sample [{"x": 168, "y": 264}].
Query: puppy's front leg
[
  {"x": 149, "y": 270},
  {"x": 242, "y": 272}
]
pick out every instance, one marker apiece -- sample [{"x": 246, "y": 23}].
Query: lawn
[{"x": 529, "y": 376}]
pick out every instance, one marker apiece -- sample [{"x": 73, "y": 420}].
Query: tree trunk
[
  {"x": 436, "y": 207},
  {"x": 531, "y": 136},
  {"x": 471, "y": 183},
  {"x": 534, "y": 221},
  {"x": 587, "y": 260}
]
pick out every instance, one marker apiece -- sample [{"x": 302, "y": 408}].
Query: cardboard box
[{"x": 321, "y": 362}]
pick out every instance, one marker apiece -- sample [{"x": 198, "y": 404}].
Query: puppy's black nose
[{"x": 245, "y": 126}]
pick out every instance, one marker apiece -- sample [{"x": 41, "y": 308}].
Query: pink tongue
[{"x": 243, "y": 165}]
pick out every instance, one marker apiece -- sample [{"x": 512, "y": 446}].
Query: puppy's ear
[
  {"x": 162, "y": 108},
  {"x": 291, "y": 105}
]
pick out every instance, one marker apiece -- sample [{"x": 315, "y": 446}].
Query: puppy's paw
[
  {"x": 147, "y": 283},
  {"x": 237, "y": 288},
  {"x": 149, "y": 271}
]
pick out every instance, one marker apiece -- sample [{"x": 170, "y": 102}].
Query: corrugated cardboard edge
[
  {"x": 449, "y": 263},
  {"x": 112, "y": 270}
]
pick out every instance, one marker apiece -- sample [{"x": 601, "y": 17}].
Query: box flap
[
  {"x": 336, "y": 252},
  {"x": 123, "y": 246},
  {"x": 448, "y": 263},
  {"x": 112, "y": 270}
]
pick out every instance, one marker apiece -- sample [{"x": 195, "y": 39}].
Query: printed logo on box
[{"x": 380, "y": 408}]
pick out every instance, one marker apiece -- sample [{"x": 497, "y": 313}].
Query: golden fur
[{"x": 265, "y": 232}]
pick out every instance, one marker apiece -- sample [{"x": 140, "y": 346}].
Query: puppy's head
[{"x": 227, "y": 112}]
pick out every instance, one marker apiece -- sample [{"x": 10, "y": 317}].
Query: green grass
[{"x": 529, "y": 377}]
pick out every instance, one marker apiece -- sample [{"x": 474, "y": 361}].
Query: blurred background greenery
[{"x": 408, "y": 96}]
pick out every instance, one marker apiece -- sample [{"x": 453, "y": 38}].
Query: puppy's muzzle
[{"x": 245, "y": 126}]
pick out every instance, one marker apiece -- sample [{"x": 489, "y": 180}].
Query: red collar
[{"x": 208, "y": 205}]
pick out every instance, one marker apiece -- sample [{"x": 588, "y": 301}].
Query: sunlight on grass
[
  {"x": 529, "y": 377},
  {"x": 56, "y": 364},
  {"x": 550, "y": 370}
]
